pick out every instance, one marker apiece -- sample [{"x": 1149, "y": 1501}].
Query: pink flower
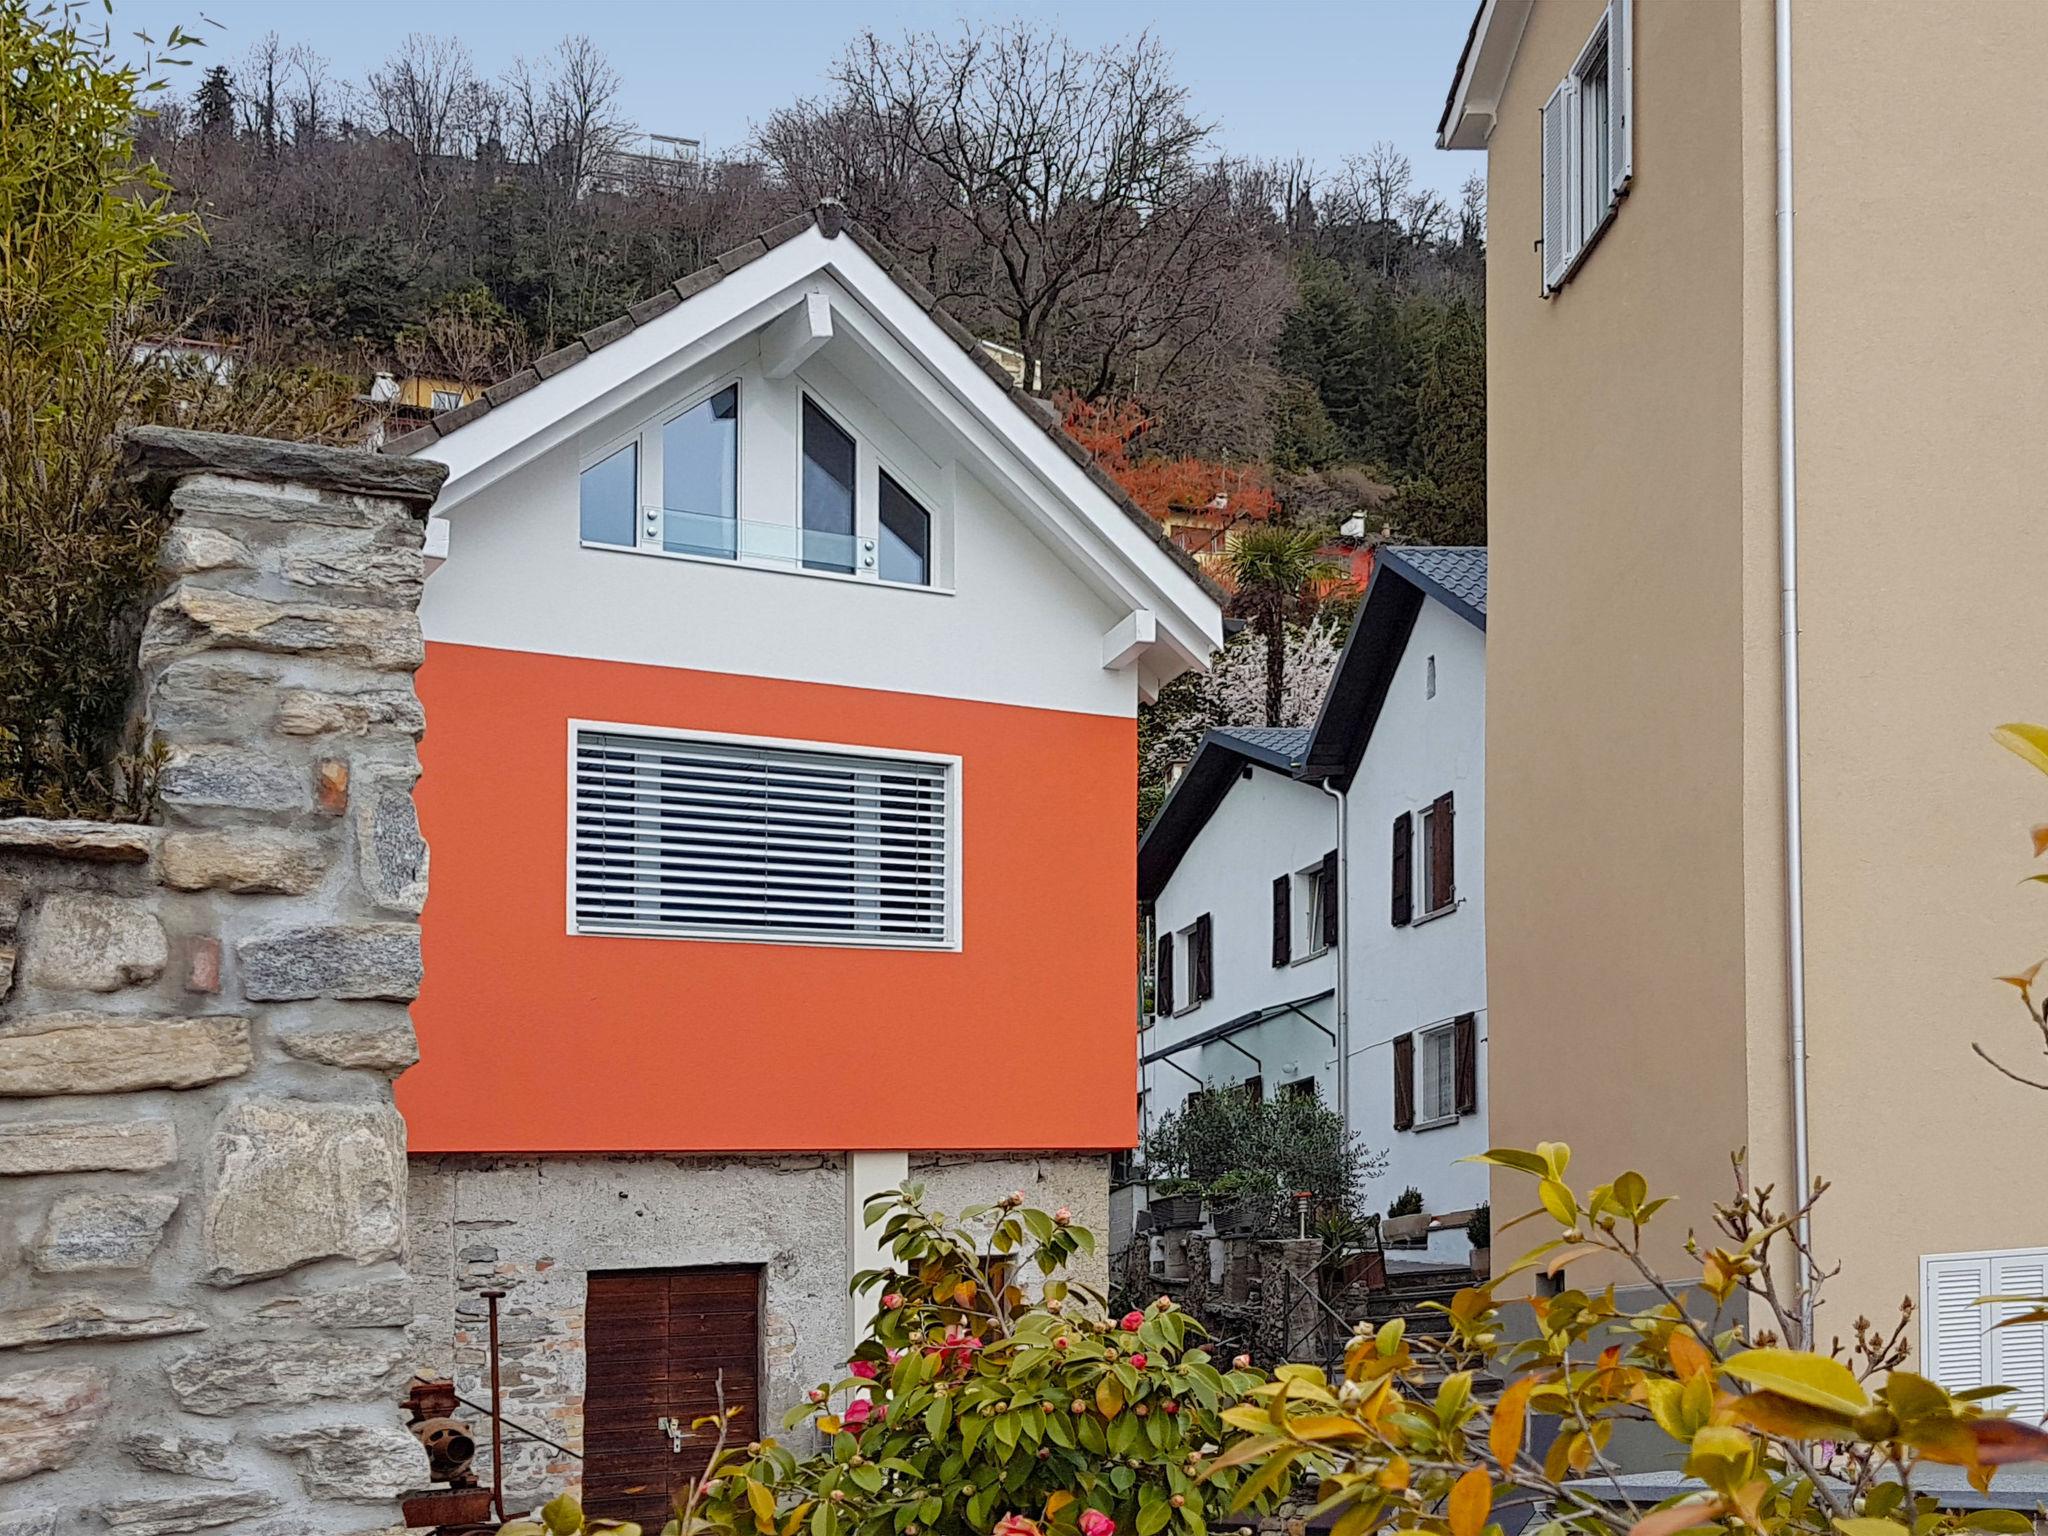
[
  {"x": 957, "y": 1349},
  {"x": 1015, "y": 1525},
  {"x": 1137, "y": 1362},
  {"x": 893, "y": 1300},
  {"x": 1133, "y": 1321},
  {"x": 857, "y": 1413},
  {"x": 1062, "y": 1216},
  {"x": 864, "y": 1369},
  {"x": 894, "y": 1355},
  {"x": 1095, "y": 1523}
]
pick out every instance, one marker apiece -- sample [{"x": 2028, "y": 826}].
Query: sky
[{"x": 1279, "y": 78}]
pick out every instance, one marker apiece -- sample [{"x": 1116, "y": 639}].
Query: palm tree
[{"x": 1273, "y": 566}]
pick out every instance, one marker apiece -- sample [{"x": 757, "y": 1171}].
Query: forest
[{"x": 1301, "y": 338}]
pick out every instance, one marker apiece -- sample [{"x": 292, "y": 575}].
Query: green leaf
[
  {"x": 563, "y": 1515},
  {"x": 1805, "y": 1378},
  {"x": 1153, "y": 1518},
  {"x": 938, "y": 1417}
]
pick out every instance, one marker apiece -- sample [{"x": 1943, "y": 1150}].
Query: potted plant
[
  {"x": 1479, "y": 1230},
  {"x": 1407, "y": 1222},
  {"x": 1176, "y": 1203},
  {"x": 1244, "y": 1200}
]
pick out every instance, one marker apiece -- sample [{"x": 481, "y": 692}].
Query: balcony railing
[{"x": 712, "y": 537}]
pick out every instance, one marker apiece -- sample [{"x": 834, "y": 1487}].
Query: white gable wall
[
  {"x": 1403, "y": 980},
  {"x": 1012, "y": 622},
  {"x": 1267, "y": 825}
]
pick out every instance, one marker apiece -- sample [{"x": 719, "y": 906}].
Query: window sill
[
  {"x": 768, "y": 567},
  {"x": 745, "y": 936},
  {"x": 1441, "y": 1123},
  {"x": 1578, "y": 257},
  {"x": 1314, "y": 954},
  {"x": 1438, "y": 915}
]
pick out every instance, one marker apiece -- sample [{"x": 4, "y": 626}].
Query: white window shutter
[
  {"x": 1557, "y": 193},
  {"x": 2019, "y": 1355},
  {"x": 1955, "y": 1329},
  {"x": 1621, "y": 71}
]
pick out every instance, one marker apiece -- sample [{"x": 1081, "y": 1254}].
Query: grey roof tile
[
  {"x": 1289, "y": 741},
  {"x": 1458, "y": 570}
]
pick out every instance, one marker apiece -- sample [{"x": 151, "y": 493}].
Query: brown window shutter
[
  {"x": 1254, "y": 1088},
  {"x": 1283, "y": 937},
  {"x": 1404, "y": 1082},
  {"x": 1466, "y": 1045},
  {"x": 1202, "y": 980},
  {"x": 1330, "y": 899},
  {"x": 1404, "y": 869},
  {"x": 1443, "y": 843},
  {"x": 1162, "y": 977}
]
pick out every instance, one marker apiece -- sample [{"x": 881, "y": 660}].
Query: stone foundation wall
[
  {"x": 202, "y": 1177},
  {"x": 535, "y": 1227}
]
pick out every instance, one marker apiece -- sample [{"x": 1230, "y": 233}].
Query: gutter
[{"x": 1788, "y": 571}]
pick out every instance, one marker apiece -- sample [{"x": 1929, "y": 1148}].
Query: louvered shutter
[
  {"x": 1162, "y": 978},
  {"x": 1202, "y": 963},
  {"x": 1404, "y": 869},
  {"x": 673, "y": 835},
  {"x": 2019, "y": 1352},
  {"x": 1329, "y": 934},
  {"x": 1283, "y": 910},
  {"x": 1621, "y": 108},
  {"x": 1556, "y": 190},
  {"x": 1465, "y": 1064},
  {"x": 1955, "y": 1330},
  {"x": 1443, "y": 850},
  {"x": 1404, "y": 1082}
]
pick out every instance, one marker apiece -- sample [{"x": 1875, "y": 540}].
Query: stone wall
[{"x": 202, "y": 1176}]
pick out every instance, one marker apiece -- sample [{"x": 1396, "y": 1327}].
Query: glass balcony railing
[{"x": 711, "y": 536}]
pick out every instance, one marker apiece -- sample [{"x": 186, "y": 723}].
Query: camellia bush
[
  {"x": 1779, "y": 1439},
  {"x": 993, "y": 1395}
]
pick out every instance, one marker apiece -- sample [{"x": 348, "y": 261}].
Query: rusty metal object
[
  {"x": 450, "y": 1450},
  {"x": 446, "y": 1507}
]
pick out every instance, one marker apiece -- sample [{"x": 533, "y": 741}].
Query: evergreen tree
[
  {"x": 1450, "y": 438},
  {"x": 1322, "y": 340},
  {"x": 215, "y": 102}
]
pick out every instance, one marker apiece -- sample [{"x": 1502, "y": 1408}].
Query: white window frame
[
  {"x": 1585, "y": 207},
  {"x": 1446, "y": 1031},
  {"x": 2033, "y": 1336},
  {"x": 647, "y": 522},
  {"x": 956, "y": 805},
  {"x": 871, "y": 460},
  {"x": 1309, "y": 897},
  {"x": 1420, "y": 861}
]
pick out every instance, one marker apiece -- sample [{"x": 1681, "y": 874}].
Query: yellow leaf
[
  {"x": 1557, "y": 1199},
  {"x": 1689, "y": 1357},
  {"x": 963, "y": 1293},
  {"x": 1394, "y": 1475},
  {"x": 761, "y": 1501},
  {"x": 2040, "y": 836},
  {"x": 2026, "y": 741},
  {"x": 794, "y": 1521},
  {"x": 828, "y": 1424},
  {"x": 1109, "y": 1396},
  {"x": 1057, "y": 1501},
  {"x": 1805, "y": 1378},
  {"x": 562, "y": 1515},
  {"x": 1471, "y": 1502},
  {"x": 1679, "y": 1517},
  {"x": 1776, "y": 1415},
  {"x": 2025, "y": 979},
  {"x": 1666, "y": 1404},
  {"x": 1863, "y": 1525},
  {"x": 1326, "y": 1426},
  {"x": 1504, "y": 1435}
]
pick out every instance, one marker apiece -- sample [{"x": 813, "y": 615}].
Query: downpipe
[
  {"x": 1343, "y": 952},
  {"x": 1788, "y": 570}
]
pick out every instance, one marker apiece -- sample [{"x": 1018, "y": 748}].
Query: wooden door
[{"x": 660, "y": 1343}]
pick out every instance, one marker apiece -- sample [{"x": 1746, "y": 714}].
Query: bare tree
[
  {"x": 1077, "y": 177},
  {"x": 564, "y": 118},
  {"x": 417, "y": 94},
  {"x": 259, "y": 91}
]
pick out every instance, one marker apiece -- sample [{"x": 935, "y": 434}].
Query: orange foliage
[{"x": 1184, "y": 488}]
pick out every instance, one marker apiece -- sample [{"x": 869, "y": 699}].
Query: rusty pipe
[{"x": 492, "y": 1298}]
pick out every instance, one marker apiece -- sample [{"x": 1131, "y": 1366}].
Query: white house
[
  {"x": 1316, "y": 898},
  {"x": 1402, "y": 737},
  {"x": 1238, "y": 870}
]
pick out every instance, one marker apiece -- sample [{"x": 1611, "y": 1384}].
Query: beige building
[{"x": 1639, "y": 948}]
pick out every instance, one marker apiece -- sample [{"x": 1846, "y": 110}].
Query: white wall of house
[
  {"x": 1408, "y": 980},
  {"x": 1266, "y": 826},
  {"x": 1005, "y": 621}
]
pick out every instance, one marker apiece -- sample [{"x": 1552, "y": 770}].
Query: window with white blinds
[
  {"x": 1587, "y": 134},
  {"x": 1961, "y": 1345},
  {"x": 681, "y": 836}
]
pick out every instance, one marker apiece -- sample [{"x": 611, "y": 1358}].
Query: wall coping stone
[
  {"x": 99, "y": 842},
  {"x": 164, "y": 453}
]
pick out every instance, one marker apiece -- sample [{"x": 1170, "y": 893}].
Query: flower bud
[
  {"x": 1177, "y": 1500},
  {"x": 816, "y": 1394},
  {"x": 838, "y": 1495},
  {"x": 1060, "y": 1342},
  {"x": 1171, "y": 1406},
  {"x": 1242, "y": 1363}
]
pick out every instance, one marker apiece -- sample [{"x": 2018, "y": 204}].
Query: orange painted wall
[{"x": 532, "y": 1040}]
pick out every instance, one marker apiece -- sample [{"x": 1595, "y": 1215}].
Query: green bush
[
  {"x": 985, "y": 1401},
  {"x": 1406, "y": 1203},
  {"x": 1290, "y": 1145}
]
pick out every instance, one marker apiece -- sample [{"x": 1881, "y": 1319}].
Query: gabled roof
[
  {"x": 1402, "y": 579},
  {"x": 829, "y": 219},
  {"x": 1226, "y": 754}
]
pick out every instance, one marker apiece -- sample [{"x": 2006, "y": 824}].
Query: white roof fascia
[{"x": 1483, "y": 74}]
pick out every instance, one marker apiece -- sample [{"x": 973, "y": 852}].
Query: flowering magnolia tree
[
  {"x": 993, "y": 1395},
  {"x": 1781, "y": 1439}
]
